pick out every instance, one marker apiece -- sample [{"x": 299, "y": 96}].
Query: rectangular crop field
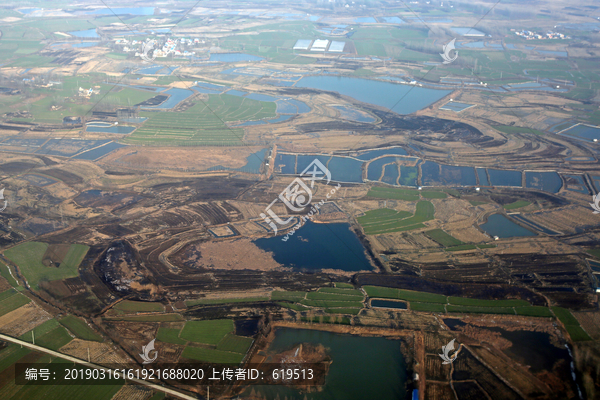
[
  {"x": 80, "y": 329},
  {"x": 332, "y": 303},
  {"x": 208, "y": 331},
  {"x": 443, "y": 238},
  {"x": 55, "y": 339},
  {"x": 28, "y": 257},
  {"x": 235, "y": 344},
  {"x": 141, "y": 306},
  {"x": 204, "y": 124},
  {"x": 571, "y": 324},
  {"x": 291, "y": 296},
  {"x": 408, "y": 295},
  {"x": 191, "y": 303},
  {"x": 212, "y": 355},
  {"x": 534, "y": 311},
  {"x": 333, "y": 296},
  {"x": 463, "y": 301},
  {"x": 347, "y": 292},
  {"x": 170, "y": 335},
  {"x": 13, "y": 302},
  {"x": 482, "y": 310},
  {"x": 427, "y": 307},
  {"x": 40, "y": 330},
  {"x": 517, "y": 204},
  {"x": 424, "y": 212},
  {"x": 148, "y": 318}
]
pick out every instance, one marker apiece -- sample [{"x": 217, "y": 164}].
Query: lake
[
  {"x": 499, "y": 225},
  {"x": 319, "y": 246},
  {"x": 362, "y": 368},
  {"x": 402, "y": 99}
]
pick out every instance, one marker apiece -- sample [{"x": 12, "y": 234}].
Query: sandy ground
[{"x": 237, "y": 254}]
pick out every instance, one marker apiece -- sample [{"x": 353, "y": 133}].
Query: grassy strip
[
  {"x": 80, "y": 329},
  {"x": 463, "y": 301},
  {"x": 141, "y": 306},
  {"x": 4, "y": 272},
  {"x": 331, "y": 303},
  {"x": 482, "y": 310},
  {"x": 207, "y": 331},
  {"x": 211, "y": 355},
  {"x": 409, "y": 295},
  {"x": 428, "y": 307},
  {"x": 433, "y": 195},
  {"x": 347, "y": 292},
  {"x": 148, "y": 318},
  {"x": 462, "y": 247},
  {"x": 332, "y": 296},
  {"x": 443, "y": 238},
  {"x": 517, "y": 204},
  {"x": 191, "y": 303},
  {"x": 534, "y": 311}
]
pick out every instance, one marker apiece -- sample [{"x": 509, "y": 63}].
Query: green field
[
  {"x": 40, "y": 330},
  {"x": 442, "y": 238},
  {"x": 482, "y": 310},
  {"x": 11, "y": 354},
  {"x": 28, "y": 257},
  {"x": 393, "y": 193},
  {"x": 291, "y": 296},
  {"x": 517, "y": 129},
  {"x": 517, "y": 204},
  {"x": 235, "y": 344},
  {"x": 346, "y": 291},
  {"x": 376, "y": 224},
  {"x": 148, "y": 318},
  {"x": 292, "y": 306},
  {"x": 571, "y": 324},
  {"x": 344, "y": 285},
  {"x": 203, "y": 124},
  {"x": 427, "y": 307},
  {"x": 140, "y": 306},
  {"x": 13, "y": 302},
  {"x": 80, "y": 329},
  {"x": 462, "y": 247},
  {"x": 212, "y": 355},
  {"x": 191, "y": 303},
  {"x": 464, "y": 301},
  {"x": 334, "y": 296},
  {"x": 534, "y": 311},
  {"x": 408, "y": 295},
  {"x": 208, "y": 331},
  {"x": 477, "y": 203},
  {"x": 332, "y": 303},
  {"x": 170, "y": 335},
  {"x": 55, "y": 339},
  {"x": 4, "y": 272}
]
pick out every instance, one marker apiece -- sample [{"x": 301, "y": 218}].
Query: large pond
[
  {"x": 403, "y": 99},
  {"x": 362, "y": 367},
  {"x": 319, "y": 246},
  {"x": 499, "y": 225}
]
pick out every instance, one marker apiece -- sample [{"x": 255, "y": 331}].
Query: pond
[
  {"x": 584, "y": 132},
  {"x": 499, "y": 177},
  {"x": 381, "y": 303},
  {"x": 403, "y": 99},
  {"x": 362, "y": 367},
  {"x": 344, "y": 169},
  {"x": 499, "y": 225},
  {"x": 318, "y": 246},
  {"x": 98, "y": 152},
  {"x": 176, "y": 96},
  {"x": 371, "y": 154},
  {"x": 546, "y": 181},
  {"x": 452, "y": 175}
]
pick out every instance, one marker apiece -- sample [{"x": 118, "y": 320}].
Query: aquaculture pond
[
  {"x": 362, "y": 367},
  {"x": 403, "y": 99},
  {"x": 98, "y": 152},
  {"x": 344, "y": 169},
  {"x": 546, "y": 181},
  {"x": 319, "y": 246},
  {"x": 499, "y": 225},
  {"x": 499, "y": 177},
  {"x": 371, "y": 154},
  {"x": 124, "y": 130}
]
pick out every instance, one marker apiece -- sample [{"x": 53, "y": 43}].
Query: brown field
[
  {"x": 590, "y": 322},
  {"x": 133, "y": 392},
  {"x": 23, "y": 319},
  {"x": 100, "y": 353}
]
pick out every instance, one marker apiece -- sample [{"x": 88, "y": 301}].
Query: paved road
[{"x": 92, "y": 365}]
